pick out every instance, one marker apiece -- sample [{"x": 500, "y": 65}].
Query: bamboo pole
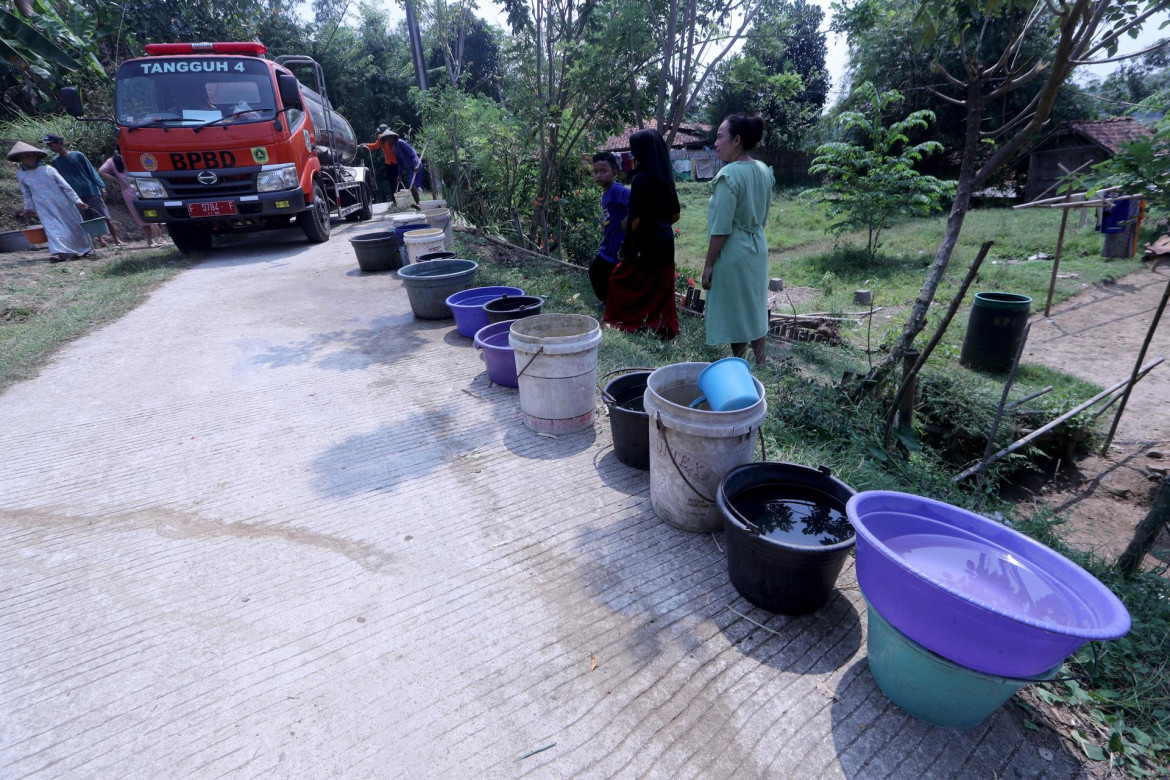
[
  {"x": 1045, "y": 201},
  {"x": 938, "y": 334},
  {"x": 1029, "y": 397},
  {"x": 501, "y": 243},
  {"x": 1056, "y": 261},
  {"x": 1007, "y": 389},
  {"x": 1136, "y": 365},
  {"x": 1064, "y": 417}
]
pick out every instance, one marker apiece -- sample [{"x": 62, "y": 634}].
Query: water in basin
[{"x": 991, "y": 575}]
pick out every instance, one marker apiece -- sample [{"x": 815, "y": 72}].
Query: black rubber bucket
[
  {"x": 376, "y": 251},
  {"x": 994, "y": 329},
  {"x": 786, "y": 533},
  {"x": 512, "y": 307},
  {"x": 436, "y": 256},
  {"x": 628, "y": 420}
]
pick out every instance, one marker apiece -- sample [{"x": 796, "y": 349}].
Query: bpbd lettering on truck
[{"x": 217, "y": 138}]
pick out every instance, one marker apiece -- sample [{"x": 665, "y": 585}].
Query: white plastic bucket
[
  {"x": 420, "y": 242},
  {"x": 441, "y": 219},
  {"x": 691, "y": 450},
  {"x": 426, "y": 205},
  {"x": 556, "y": 368},
  {"x": 402, "y": 198}
]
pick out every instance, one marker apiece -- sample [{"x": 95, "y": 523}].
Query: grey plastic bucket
[
  {"x": 691, "y": 450},
  {"x": 430, "y": 284},
  {"x": 556, "y": 368}
]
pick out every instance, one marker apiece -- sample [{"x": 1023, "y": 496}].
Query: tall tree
[
  {"x": 1082, "y": 31},
  {"x": 780, "y": 73},
  {"x": 886, "y": 49},
  {"x": 692, "y": 37},
  {"x": 569, "y": 81}
]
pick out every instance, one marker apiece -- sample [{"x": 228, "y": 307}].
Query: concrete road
[{"x": 270, "y": 525}]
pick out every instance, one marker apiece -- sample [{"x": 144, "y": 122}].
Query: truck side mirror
[
  {"x": 71, "y": 99},
  {"x": 290, "y": 91}
]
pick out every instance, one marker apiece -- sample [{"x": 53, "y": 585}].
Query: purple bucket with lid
[
  {"x": 974, "y": 591},
  {"x": 497, "y": 354},
  {"x": 467, "y": 306}
]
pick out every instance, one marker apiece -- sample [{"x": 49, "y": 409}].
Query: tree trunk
[
  {"x": 942, "y": 258},
  {"x": 1146, "y": 531}
]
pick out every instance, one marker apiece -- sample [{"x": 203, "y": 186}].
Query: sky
[{"x": 837, "y": 57}]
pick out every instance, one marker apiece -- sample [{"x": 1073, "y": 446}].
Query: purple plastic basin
[
  {"x": 467, "y": 306},
  {"x": 497, "y": 353},
  {"x": 976, "y": 592}
]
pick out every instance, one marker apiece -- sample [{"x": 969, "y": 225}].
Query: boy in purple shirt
[{"x": 615, "y": 203}]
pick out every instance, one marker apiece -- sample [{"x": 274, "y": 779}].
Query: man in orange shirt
[{"x": 402, "y": 163}]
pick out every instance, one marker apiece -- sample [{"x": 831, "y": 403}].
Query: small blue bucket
[{"x": 727, "y": 386}]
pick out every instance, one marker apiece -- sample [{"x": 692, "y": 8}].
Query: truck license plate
[{"x": 212, "y": 208}]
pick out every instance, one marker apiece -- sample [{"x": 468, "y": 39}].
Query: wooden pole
[
  {"x": 1007, "y": 389},
  {"x": 908, "y": 380},
  {"x": 1146, "y": 531},
  {"x": 1137, "y": 364},
  {"x": 1008, "y": 450},
  {"x": 1056, "y": 262}
]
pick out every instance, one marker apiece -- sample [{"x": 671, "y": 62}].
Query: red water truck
[{"x": 218, "y": 139}]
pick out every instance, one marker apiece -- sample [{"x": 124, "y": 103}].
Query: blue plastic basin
[
  {"x": 467, "y": 306},
  {"x": 974, "y": 591}
]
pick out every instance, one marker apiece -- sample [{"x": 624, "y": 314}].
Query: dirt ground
[{"x": 1097, "y": 336}]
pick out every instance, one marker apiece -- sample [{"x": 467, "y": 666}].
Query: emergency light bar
[{"x": 231, "y": 47}]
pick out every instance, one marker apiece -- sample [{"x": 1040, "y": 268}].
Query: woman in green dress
[{"x": 736, "y": 271}]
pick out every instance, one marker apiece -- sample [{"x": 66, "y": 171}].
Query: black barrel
[
  {"x": 512, "y": 307},
  {"x": 994, "y": 330},
  {"x": 790, "y": 570},
  {"x": 628, "y": 419}
]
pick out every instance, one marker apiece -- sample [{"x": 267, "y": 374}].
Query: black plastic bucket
[
  {"x": 628, "y": 420},
  {"x": 795, "y": 574},
  {"x": 376, "y": 251},
  {"x": 994, "y": 329},
  {"x": 512, "y": 307},
  {"x": 436, "y": 256}
]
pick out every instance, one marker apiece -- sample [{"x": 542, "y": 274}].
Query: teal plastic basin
[{"x": 930, "y": 687}]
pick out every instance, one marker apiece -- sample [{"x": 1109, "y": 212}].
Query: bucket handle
[
  {"x": 520, "y": 373},
  {"x": 695, "y": 490},
  {"x": 606, "y": 397}
]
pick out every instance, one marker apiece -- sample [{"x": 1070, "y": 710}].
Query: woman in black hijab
[{"x": 641, "y": 289}]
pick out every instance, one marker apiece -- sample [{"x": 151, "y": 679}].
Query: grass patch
[
  {"x": 1121, "y": 701},
  {"x": 44, "y": 306},
  {"x": 804, "y": 256}
]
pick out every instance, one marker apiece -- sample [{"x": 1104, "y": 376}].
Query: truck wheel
[
  {"x": 367, "y": 209},
  {"x": 190, "y": 239},
  {"x": 315, "y": 219}
]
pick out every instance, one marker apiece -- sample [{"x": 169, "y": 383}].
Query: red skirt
[{"x": 641, "y": 295}]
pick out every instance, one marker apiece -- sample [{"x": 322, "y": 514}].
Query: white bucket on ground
[
  {"x": 426, "y": 205},
  {"x": 420, "y": 242},
  {"x": 691, "y": 450},
  {"x": 556, "y": 368},
  {"x": 441, "y": 219},
  {"x": 402, "y": 198}
]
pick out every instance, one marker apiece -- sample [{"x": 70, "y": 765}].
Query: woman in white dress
[{"x": 54, "y": 201}]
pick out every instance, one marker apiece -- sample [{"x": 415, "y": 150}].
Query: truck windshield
[{"x": 191, "y": 91}]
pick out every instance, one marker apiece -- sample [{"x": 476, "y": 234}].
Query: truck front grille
[{"x": 183, "y": 184}]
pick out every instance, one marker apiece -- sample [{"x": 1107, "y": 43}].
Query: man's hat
[
  {"x": 20, "y": 147},
  {"x": 389, "y": 134},
  {"x": 52, "y": 138}
]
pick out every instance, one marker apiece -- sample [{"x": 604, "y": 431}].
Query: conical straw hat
[{"x": 20, "y": 147}]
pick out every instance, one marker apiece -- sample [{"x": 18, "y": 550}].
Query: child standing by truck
[{"x": 615, "y": 202}]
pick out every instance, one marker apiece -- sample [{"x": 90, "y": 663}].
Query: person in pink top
[{"x": 113, "y": 171}]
